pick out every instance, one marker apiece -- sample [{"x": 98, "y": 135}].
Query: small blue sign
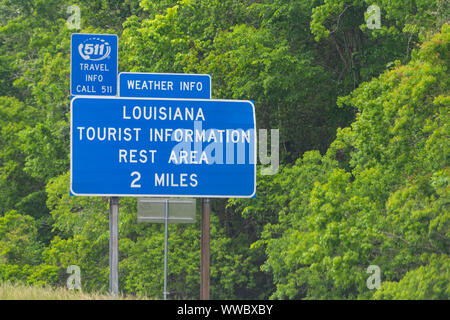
[
  {"x": 162, "y": 147},
  {"x": 94, "y": 64},
  {"x": 165, "y": 85}
]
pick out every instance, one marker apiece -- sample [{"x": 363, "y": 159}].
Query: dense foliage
[{"x": 364, "y": 126}]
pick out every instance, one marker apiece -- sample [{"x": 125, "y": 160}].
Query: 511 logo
[{"x": 94, "y": 49}]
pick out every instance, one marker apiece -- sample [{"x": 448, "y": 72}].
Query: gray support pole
[
  {"x": 205, "y": 246},
  {"x": 114, "y": 246},
  {"x": 166, "y": 231}
]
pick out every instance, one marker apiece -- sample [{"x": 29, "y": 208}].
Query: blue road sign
[
  {"x": 162, "y": 147},
  {"x": 94, "y": 64},
  {"x": 165, "y": 85}
]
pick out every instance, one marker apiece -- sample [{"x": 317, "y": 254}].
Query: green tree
[
  {"x": 429, "y": 282},
  {"x": 375, "y": 192},
  {"x": 19, "y": 243},
  {"x": 378, "y": 197}
]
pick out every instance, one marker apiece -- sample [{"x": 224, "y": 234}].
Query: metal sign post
[
  {"x": 166, "y": 211},
  {"x": 114, "y": 246},
  {"x": 166, "y": 230},
  {"x": 205, "y": 246}
]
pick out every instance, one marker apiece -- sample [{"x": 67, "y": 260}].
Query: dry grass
[{"x": 10, "y": 291}]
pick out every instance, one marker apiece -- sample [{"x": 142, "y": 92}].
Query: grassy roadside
[{"x": 10, "y": 291}]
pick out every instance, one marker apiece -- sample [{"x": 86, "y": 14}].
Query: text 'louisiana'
[{"x": 163, "y": 113}]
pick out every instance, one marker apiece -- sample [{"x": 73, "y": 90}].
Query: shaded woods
[{"x": 364, "y": 148}]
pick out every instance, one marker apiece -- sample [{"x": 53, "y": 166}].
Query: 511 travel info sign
[
  {"x": 93, "y": 64},
  {"x": 162, "y": 147}
]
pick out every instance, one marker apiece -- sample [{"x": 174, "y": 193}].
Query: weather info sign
[
  {"x": 165, "y": 85},
  {"x": 162, "y": 147},
  {"x": 94, "y": 64}
]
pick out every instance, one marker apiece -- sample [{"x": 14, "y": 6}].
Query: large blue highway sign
[
  {"x": 94, "y": 64},
  {"x": 165, "y": 85},
  {"x": 162, "y": 147}
]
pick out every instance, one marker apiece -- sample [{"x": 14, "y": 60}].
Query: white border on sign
[
  {"x": 173, "y": 74},
  {"x": 117, "y": 62},
  {"x": 162, "y": 195}
]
